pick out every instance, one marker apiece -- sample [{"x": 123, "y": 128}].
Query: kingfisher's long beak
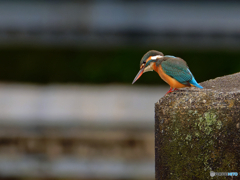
[{"x": 138, "y": 75}]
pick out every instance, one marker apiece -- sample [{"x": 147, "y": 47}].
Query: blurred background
[{"x": 67, "y": 106}]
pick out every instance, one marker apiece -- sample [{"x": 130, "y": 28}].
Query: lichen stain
[
  {"x": 231, "y": 103},
  {"x": 191, "y": 145}
]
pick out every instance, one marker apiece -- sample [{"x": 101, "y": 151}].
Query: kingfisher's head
[{"x": 147, "y": 62}]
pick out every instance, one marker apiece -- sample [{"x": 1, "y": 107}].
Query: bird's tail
[{"x": 194, "y": 83}]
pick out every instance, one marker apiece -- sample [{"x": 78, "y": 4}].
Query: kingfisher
[{"x": 173, "y": 70}]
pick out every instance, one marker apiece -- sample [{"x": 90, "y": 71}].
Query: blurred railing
[
  {"x": 120, "y": 23},
  {"x": 78, "y": 132},
  {"x": 73, "y": 152}
]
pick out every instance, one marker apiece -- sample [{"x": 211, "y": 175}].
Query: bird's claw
[{"x": 171, "y": 90}]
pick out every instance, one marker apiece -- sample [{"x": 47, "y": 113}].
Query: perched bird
[{"x": 173, "y": 70}]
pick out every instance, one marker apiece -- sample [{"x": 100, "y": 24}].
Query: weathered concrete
[{"x": 198, "y": 130}]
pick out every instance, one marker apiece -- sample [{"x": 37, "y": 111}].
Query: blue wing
[{"x": 178, "y": 69}]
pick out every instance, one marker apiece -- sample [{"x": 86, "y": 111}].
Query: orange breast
[{"x": 172, "y": 82}]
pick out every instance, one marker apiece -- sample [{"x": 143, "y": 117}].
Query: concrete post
[{"x": 198, "y": 130}]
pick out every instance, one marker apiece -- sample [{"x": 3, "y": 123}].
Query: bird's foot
[{"x": 171, "y": 90}]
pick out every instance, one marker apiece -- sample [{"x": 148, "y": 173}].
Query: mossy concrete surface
[{"x": 198, "y": 131}]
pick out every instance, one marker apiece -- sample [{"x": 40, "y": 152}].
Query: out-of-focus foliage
[{"x": 61, "y": 65}]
